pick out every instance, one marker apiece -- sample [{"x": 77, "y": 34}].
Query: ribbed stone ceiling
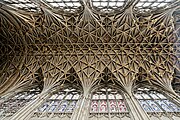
[{"x": 88, "y": 36}]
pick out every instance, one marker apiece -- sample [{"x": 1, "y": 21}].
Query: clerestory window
[
  {"x": 156, "y": 104},
  {"x": 63, "y": 101},
  {"x": 107, "y": 100},
  {"x": 16, "y": 102}
]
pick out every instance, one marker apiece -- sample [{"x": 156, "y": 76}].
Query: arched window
[
  {"x": 63, "y": 101},
  {"x": 107, "y": 99},
  {"x": 14, "y": 103},
  {"x": 155, "y": 103}
]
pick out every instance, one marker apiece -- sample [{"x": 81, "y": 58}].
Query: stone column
[
  {"x": 85, "y": 111},
  {"x": 6, "y": 97},
  {"x": 82, "y": 110},
  {"x": 136, "y": 110},
  {"x": 174, "y": 97},
  {"x": 26, "y": 112}
]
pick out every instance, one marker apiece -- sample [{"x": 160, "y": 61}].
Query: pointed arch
[
  {"x": 64, "y": 97},
  {"x": 155, "y": 101}
]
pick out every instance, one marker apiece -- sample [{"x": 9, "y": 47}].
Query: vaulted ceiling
[{"x": 89, "y": 36}]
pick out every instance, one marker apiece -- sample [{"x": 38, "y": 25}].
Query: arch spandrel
[
  {"x": 88, "y": 69},
  {"x": 124, "y": 70}
]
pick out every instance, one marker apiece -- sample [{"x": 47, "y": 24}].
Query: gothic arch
[
  {"x": 62, "y": 97},
  {"x": 156, "y": 102}
]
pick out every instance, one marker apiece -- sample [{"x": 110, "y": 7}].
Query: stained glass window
[
  {"x": 94, "y": 106},
  {"x": 67, "y": 5},
  {"x": 153, "y": 4},
  {"x": 152, "y": 101},
  {"x": 22, "y": 4},
  {"x": 108, "y": 5},
  {"x": 113, "y": 106},
  {"x": 107, "y": 101},
  {"x": 100, "y": 5},
  {"x": 16, "y": 102},
  {"x": 32, "y": 5},
  {"x": 63, "y": 101}
]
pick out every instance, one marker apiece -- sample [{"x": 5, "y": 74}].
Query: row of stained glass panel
[
  {"x": 58, "y": 106},
  {"x": 159, "y": 106},
  {"x": 13, "y": 104},
  {"x": 109, "y": 96},
  {"x": 63, "y": 96},
  {"x": 101, "y": 106},
  {"x": 150, "y": 96}
]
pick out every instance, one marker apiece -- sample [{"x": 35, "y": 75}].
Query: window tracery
[
  {"x": 22, "y": 4},
  {"x": 63, "y": 101},
  {"x": 103, "y": 98},
  {"x": 146, "y": 5},
  {"x": 108, "y": 5},
  {"x": 107, "y": 99},
  {"x": 14, "y": 103},
  {"x": 67, "y": 5},
  {"x": 100, "y": 5},
  {"x": 155, "y": 103},
  {"x": 105, "y": 105}
]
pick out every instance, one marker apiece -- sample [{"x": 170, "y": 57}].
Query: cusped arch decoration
[
  {"x": 11, "y": 105},
  {"x": 63, "y": 98},
  {"x": 107, "y": 98},
  {"x": 156, "y": 102}
]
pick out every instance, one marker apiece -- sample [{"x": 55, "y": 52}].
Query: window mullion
[{"x": 108, "y": 106}]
